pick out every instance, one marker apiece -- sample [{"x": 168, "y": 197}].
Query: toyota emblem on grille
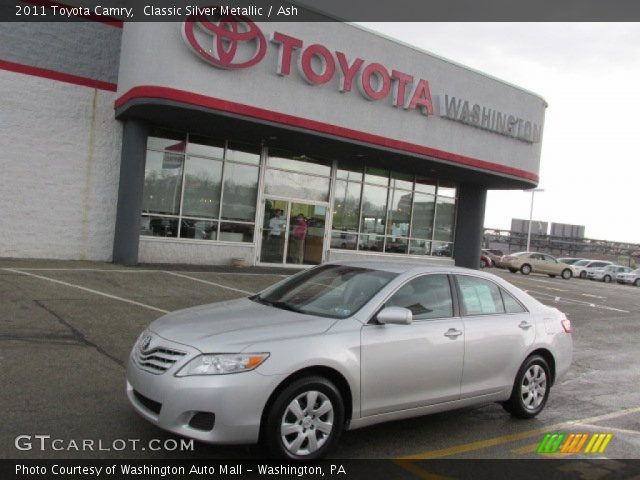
[
  {"x": 146, "y": 343},
  {"x": 232, "y": 42}
]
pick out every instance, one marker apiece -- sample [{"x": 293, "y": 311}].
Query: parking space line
[
  {"x": 612, "y": 429},
  {"x": 89, "y": 290},
  {"x": 140, "y": 270},
  {"x": 492, "y": 442},
  {"x": 578, "y": 302},
  {"x": 196, "y": 279}
]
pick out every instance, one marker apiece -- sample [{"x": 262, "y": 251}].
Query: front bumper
[{"x": 236, "y": 400}]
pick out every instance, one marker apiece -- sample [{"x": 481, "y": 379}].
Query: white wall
[{"x": 60, "y": 165}]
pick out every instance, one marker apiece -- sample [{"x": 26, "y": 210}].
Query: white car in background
[
  {"x": 630, "y": 278},
  {"x": 580, "y": 268},
  {"x": 606, "y": 274}
]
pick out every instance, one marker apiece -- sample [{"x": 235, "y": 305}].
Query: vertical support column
[
  {"x": 469, "y": 225},
  {"x": 132, "y": 164}
]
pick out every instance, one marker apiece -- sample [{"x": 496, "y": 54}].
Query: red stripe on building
[
  {"x": 59, "y": 76},
  {"x": 114, "y": 22},
  {"x": 190, "y": 98}
]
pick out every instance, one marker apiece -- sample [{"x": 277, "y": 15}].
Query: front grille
[
  {"x": 202, "y": 421},
  {"x": 157, "y": 359},
  {"x": 152, "y": 405}
]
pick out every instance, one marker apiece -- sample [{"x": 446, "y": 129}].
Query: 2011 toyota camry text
[{"x": 343, "y": 346}]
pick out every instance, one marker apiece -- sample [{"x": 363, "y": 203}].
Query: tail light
[{"x": 566, "y": 324}]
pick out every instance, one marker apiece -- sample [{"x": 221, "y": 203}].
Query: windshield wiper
[
  {"x": 286, "y": 306},
  {"x": 279, "y": 304}
]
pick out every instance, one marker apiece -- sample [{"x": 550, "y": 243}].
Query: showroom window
[
  {"x": 384, "y": 211},
  {"x": 199, "y": 188}
]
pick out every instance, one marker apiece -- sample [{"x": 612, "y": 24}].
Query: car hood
[{"x": 234, "y": 325}]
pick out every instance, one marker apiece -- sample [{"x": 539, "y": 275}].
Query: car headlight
[{"x": 222, "y": 364}]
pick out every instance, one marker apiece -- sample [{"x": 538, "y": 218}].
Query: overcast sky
[{"x": 589, "y": 73}]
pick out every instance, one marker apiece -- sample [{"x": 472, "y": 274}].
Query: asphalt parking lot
[{"x": 67, "y": 328}]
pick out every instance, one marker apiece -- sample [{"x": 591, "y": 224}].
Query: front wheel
[
  {"x": 305, "y": 420},
  {"x": 530, "y": 388},
  {"x": 583, "y": 274},
  {"x": 637, "y": 282},
  {"x": 606, "y": 279},
  {"x": 566, "y": 274},
  {"x": 483, "y": 264},
  {"x": 525, "y": 269}
]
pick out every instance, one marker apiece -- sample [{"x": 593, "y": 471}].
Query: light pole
[{"x": 533, "y": 192}]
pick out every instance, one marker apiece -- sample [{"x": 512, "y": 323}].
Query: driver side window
[{"x": 428, "y": 296}]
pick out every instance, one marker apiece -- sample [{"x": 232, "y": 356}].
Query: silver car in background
[
  {"x": 630, "y": 278},
  {"x": 343, "y": 346},
  {"x": 606, "y": 274},
  {"x": 580, "y": 267}
]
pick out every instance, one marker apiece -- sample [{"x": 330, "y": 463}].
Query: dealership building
[{"x": 207, "y": 142}]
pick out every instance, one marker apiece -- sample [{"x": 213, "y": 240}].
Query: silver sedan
[{"x": 343, "y": 346}]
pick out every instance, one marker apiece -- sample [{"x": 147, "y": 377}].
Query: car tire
[
  {"x": 483, "y": 264},
  {"x": 637, "y": 282},
  {"x": 606, "y": 279},
  {"x": 513, "y": 270},
  {"x": 583, "y": 274},
  {"x": 530, "y": 388},
  {"x": 291, "y": 411},
  {"x": 566, "y": 274},
  {"x": 551, "y": 275},
  {"x": 525, "y": 269}
]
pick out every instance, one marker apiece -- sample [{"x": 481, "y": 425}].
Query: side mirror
[{"x": 395, "y": 316}]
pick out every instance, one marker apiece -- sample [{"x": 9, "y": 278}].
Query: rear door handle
[
  {"x": 453, "y": 333},
  {"x": 524, "y": 325}
]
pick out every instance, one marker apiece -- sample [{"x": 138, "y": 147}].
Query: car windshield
[
  {"x": 582, "y": 263},
  {"x": 336, "y": 291}
]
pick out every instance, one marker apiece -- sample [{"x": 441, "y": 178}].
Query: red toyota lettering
[
  {"x": 286, "y": 46},
  {"x": 326, "y": 59}
]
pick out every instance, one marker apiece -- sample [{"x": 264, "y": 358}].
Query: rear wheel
[
  {"x": 566, "y": 274},
  {"x": 606, "y": 279},
  {"x": 525, "y": 269},
  {"x": 552, "y": 276},
  {"x": 513, "y": 270},
  {"x": 305, "y": 420},
  {"x": 530, "y": 388}
]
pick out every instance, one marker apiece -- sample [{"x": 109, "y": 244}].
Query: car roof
[{"x": 404, "y": 267}]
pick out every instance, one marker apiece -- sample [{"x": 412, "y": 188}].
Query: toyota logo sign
[{"x": 233, "y": 42}]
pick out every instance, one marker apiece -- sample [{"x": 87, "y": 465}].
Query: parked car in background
[
  {"x": 485, "y": 260},
  {"x": 569, "y": 260},
  {"x": 606, "y": 274},
  {"x": 494, "y": 255},
  {"x": 580, "y": 268},
  {"x": 534, "y": 262},
  {"x": 630, "y": 278}
]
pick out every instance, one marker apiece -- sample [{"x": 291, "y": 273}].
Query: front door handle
[
  {"x": 524, "y": 325},
  {"x": 453, "y": 333}
]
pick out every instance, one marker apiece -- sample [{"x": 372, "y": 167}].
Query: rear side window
[
  {"x": 511, "y": 305},
  {"x": 479, "y": 296},
  {"x": 427, "y": 297},
  {"x": 598, "y": 264}
]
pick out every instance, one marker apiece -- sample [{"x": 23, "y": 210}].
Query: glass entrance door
[{"x": 293, "y": 232}]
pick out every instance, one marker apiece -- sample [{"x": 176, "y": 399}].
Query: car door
[
  {"x": 498, "y": 331},
  {"x": 551, "y": 265},
  {"x": 537, "y": 265},
  {"x": 408, "y": 366}
]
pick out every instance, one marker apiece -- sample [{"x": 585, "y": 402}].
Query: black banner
[
  {"x": 567, "y": 469},
  {"x": 327, "y": 10}
]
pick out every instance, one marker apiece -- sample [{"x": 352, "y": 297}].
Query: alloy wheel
[
  {"x": 534, "y": 387},
  {"x": 307, "y": 423}
]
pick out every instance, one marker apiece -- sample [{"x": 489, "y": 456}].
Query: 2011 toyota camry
[{"x": 346, "y": 345}]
